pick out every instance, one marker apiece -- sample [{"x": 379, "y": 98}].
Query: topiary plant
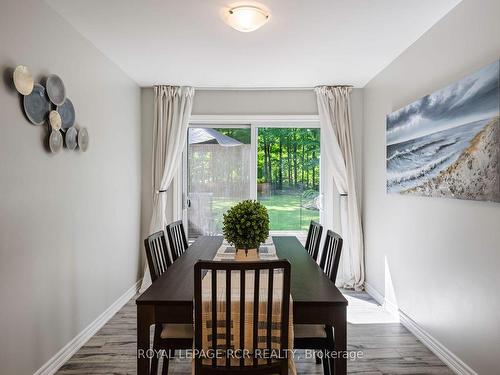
[{"x": 246, "y": 225}]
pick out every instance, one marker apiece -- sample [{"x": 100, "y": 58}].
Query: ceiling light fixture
[{"x": 246, "y": 18}]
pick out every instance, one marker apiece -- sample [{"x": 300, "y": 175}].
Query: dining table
[{"x": 316, "y": 299}]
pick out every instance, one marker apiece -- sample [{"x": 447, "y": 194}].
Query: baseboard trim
[
  {"x": 448, "y": 357},
  {"x": 390, "y": 307},
  {"x": 374, "y": 293},
  {"x": 443, "y": 353},
  {"x": 63, "y": 355}
]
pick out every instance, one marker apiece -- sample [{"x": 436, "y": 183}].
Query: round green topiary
[{"x": 246, "y": 225}]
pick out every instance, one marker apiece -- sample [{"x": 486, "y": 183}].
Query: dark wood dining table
[{"x": 316, "y": 300}]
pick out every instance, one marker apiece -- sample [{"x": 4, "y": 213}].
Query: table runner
[{"x": 266, "y": 252}]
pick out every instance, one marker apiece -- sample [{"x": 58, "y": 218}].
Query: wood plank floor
[{"x": 388, "y": 347}]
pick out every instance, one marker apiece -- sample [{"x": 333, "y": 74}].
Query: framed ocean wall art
[{"x": 447, "y": 144}]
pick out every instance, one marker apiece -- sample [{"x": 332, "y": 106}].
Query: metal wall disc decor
[
  {"x": 55, "y": 89},
  {"x": 67, "y": 113},
  {"x": 55, "y": 141},
  {"x": 55, "y": 120},
  {"x": 71, "y": 138},
  {"x": 37, "y": 105},
  {"x": 83, "y": 139},
  {"x": 23, "y": 80}
]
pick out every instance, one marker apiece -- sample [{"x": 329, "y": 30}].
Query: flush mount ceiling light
[{"x": 246, "y": 18}]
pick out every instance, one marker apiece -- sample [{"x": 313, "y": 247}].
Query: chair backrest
[
  {"x": 157, "y": 254},
  {"x": 330, "y": 257},
  {"x": 262, "y": 333},
  {"x": 313, "y": 239},
  {"x": 176, "y": 239}
]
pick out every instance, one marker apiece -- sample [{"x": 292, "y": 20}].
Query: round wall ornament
[
  {"x": 83, "y": 139},
  {"x": 71, "y": 138},
  {"x": 37, "y": 105},
  {"x": 55, "y": 120},
  {"x": 23, "y": 80},
  {"x": 55, "y": 89},
  {"x": 67, "y": 112},
  {"x": 55, "y": 141}
]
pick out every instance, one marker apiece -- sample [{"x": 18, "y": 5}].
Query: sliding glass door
[
  {"x": 218, "y": 175},
  {"x": 288, "y": 176},
  {"x": 277, "y": 165}
]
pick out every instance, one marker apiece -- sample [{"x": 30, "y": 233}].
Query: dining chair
[
  {"x": 313, "y": 239},
  {"x": 330, "y": 257},
  {"x": 266, "y": 325},
  {"x": 317, "y": 336},
  {"x": 167, "y": 337},
  {"x": 157, "y": 254},
  {"x": 176, "y": 239}
]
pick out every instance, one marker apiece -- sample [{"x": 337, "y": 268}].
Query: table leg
[
  {"x": 340, "y": 332},
  {"x": 145, "y": 318}
]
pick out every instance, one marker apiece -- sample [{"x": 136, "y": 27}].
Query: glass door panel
[
  {"x": 288, "y": 176},
  {"x": 218, "y": 175}
]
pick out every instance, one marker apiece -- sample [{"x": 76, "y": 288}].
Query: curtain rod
[{"x": 226, "y": 88}]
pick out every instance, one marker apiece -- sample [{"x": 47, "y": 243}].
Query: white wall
[
  {"x": 255, "y": 102},
  {"x": 442, "y": 255},
  {"x": 69, "y": 223}
]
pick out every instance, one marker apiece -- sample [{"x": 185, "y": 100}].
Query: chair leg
[
  {"x": 156, "y": 341},
  {"x": 164, "y": 369},
  {"x": 154, "y": 365},
  {"x": 326, "y": 363},
  {"x": 331, "y": 347},
  {"x": 318, "y": 359},
  {"x": 284, "y": 368},
  {"x": 331, "y": 363}
]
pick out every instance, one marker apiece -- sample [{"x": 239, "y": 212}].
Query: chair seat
[
  {"x": 309, "y": 330},
  {"x": 177, "y": 331}
]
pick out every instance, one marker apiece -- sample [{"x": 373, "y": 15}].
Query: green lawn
[{"x": 285, "y": 212}]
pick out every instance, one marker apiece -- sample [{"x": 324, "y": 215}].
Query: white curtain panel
[
  {"x": 172, "y": 111},
  {"x": 334, "y": 107}
]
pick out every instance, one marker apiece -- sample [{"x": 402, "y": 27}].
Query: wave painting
[{"x": 447, "y": 144}]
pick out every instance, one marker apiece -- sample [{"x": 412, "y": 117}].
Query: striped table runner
[{"x": 225, "y": 252}]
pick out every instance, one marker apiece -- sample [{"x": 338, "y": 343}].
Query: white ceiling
[{"x": 305, "y": 43}]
